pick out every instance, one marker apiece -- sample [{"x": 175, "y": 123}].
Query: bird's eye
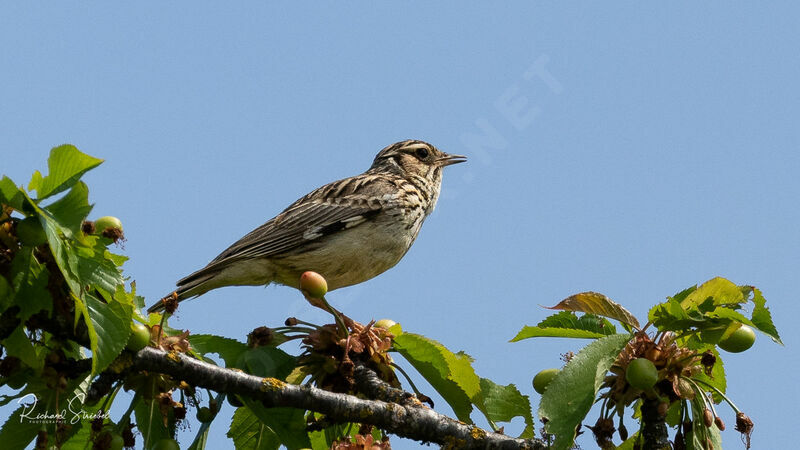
[{"x": 422, "y": 153}]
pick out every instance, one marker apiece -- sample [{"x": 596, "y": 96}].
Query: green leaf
[
  {"x": 721, "y": 290},
  {"x": 66, "y": 165},
  {"x": 18, "y": 344},
  {"x": 717, "y": 378},
  {"x": 728, "y": 316},
  {"x": 71, "y": 210},
  {"x": 318, "y": 440},
  {"x": 673, "y": 316},
  {"x": 17, "y": 431},
  {"x": 11, "y": 195},
  {"x": 712, "y": 308},
  {"x": 248, "y": 433},
  {"x": 570, "y": 395},
  {"x": 6, "y": 294},
  {"x": 568, "y": 324},
  {"x": 150, "y": 422},
  {"x": 79, "y": 439},
  {"x": 92, "y": 266},
  {"x": 230, "y": 350},
  {"x": 22, "y": 427},
  {"x": 266, "y": 362},
  {"x": 450, "y": 374},
  {"x": 83, "y": 260},
  {"x": 503, "y": 403},
  {"x": 81, "y": 422},
  {"x": 531, "y": 332},
  {"x": 29, "y": 281},
  {"x": 599, "y": 304},
  {"x": 628, "y": 444},
  {"x": 762, "y": 319},
  {"x": 288, "y": 424},
  {"x": 109, "y": 329}
]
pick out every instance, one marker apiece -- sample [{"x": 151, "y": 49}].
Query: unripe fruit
[
  {"x": 116, "y": 442},
  {"x": 139, "y": 338},
  {"x": 15, "y": 382},
  {"x": 543, "y": 378},
  {"x": 204, "y": 414},
  {"x": 30, "y": 232},
  {"x": 167, "y": 444},
  {"x": 105, "y": 222},
  {"x": 641, "y": 374},
  {"x": 385, "y": 323},
  {"x": 313, "y": 284},
  {"x": 739, "y": 341},
  {"x": 234, "y": 401}
]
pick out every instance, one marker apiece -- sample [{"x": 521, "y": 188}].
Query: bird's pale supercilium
[{"x": 349, "y": 231}]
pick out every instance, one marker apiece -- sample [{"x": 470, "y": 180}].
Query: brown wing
[{"x": 327, "y": 210}]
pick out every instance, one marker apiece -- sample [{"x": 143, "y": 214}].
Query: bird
[{"x": 349, "y": 231}]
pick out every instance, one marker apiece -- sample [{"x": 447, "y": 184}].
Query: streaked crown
[{"x": 414, "y": 158}]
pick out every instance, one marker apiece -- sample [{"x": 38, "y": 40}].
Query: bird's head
[{"x": 414, "y": 158}]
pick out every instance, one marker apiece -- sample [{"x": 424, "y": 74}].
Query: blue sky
[{"x": 632, "y": 150}]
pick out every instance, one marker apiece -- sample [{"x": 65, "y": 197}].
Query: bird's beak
[{"x": 447, "y": 159}]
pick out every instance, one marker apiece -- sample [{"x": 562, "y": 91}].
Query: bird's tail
[{"x": 191, "y": 286}]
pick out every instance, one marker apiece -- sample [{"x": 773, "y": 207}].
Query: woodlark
[{"x": 349, "y": 231}]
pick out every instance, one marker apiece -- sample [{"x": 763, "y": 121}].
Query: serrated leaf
[
  {"x": 230, "y": 350},
  {"x": 60, "y": 246},
  {"x": 450, "y": 374},
  {"x": 248, "y": 433},
  {"x": 65, "y": 165},
  {"x": 590, "y": 322},
  {"x": 109, "y": 329},
  {"x": 570, "y": 395},
  {"x": 92, "y": 267},
  {"x": 568, "y": 324},
  {"x": 721, "y": 290},
  {"x": 599, "y": 304},
  {"x": 730, "y": 315},
  {"x": 503, "y": 403},
  {"x": 680, "y": 296},
  {"x": 71, "y": 210},
  {"x": 762, "y": 318},
  {"x": 671, "y": 316},
  {"x": 531, "y": 332}
]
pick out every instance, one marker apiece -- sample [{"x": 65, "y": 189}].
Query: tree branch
[
  {"x": 401, "y": 413},
  {"x": 654, "y": 432},
  {"x": 410, "y": 421}
]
